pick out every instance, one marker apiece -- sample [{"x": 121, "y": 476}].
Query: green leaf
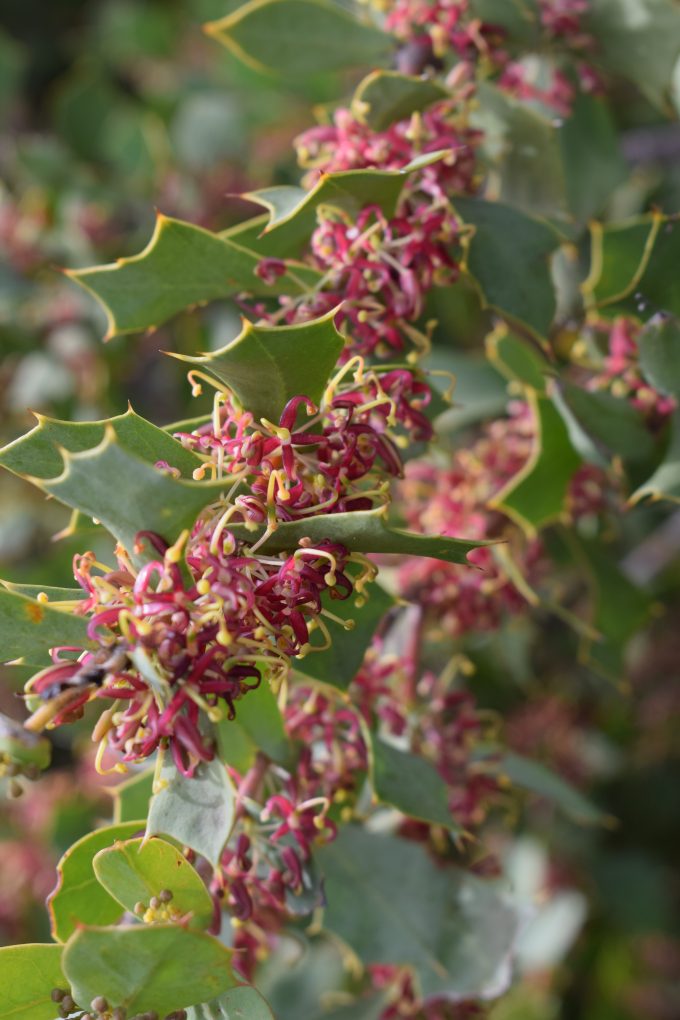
[
  {"x": 618, "y": 607},
  {"x": 131, "y": 797},
  {"x": 240, "y": 1003},
  {"x": 634, "y": 266},
  {"x": 135, "y": 870},
  {"x": 659, "y": 346},
  {"x": 612, "y": 423},
  {"x": 411, "y": 784},
  {"x": 198, "y": 812},
  {"x": 267, "y": 365},
  {"x": 360, "y": 531},
  {"x": 521, "y": 148},
  {"x": 638, "y": 40},
  {"x": 293, "y": 211},
  {"x": 539, "y": 779},
  {"x": 182, "y": 266},
  {"x": 27, "y": 976},
  {"x": 508, "y": 257},
  {"x": 591, "y": 155},
  {"x": 385, "y": 96},
  {"x": 517, "y": 359},
  {"x": 665, "y": 482},
  {"x": 140, "y": 968},
  {"x": 53, "y": 593},
  {"x": 127, "y": 494},
  {"x": 21, "y": 746},
  {"x": 517, "y": 17},
  {"x": 294, "y": 38},
  {"x": 78, "y": 897},
  {"x": 536, "y": 495},
  {"x": 38, "y": 453},
  {"x": 259, "y": 719},
  {"x": 27, "y": 625},
  {"x": 339, "y": 664},
  {"x": 387, "y": 901}
]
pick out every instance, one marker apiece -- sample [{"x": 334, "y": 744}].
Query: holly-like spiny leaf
[
  {"x": 508, "y": 257},
  {"x": 385, "y": 96},
  {"x": 28, "y": 974},
  {"x": 360, "y": 531},
  {"x": 516, "y": 359},
  {"x": 140, "y": 968},
  {"x": 659, "y": 346},
  {"x": 182, "y": 266},
  {"x": 293, "y": 211},
  {"x": 37, "y": 454},
  {"x": 135, "y": 870},
  {"x": 611, "y": 423},
  {"x": 294, "y": 38},
  {"x": 27, "y": 625},
  {"x": 78, "y": 897},
  {"x": 391, "y": 906},
  {"x": 267, "y": 365},
  {"x": 537, "y": 493},
  {"x": 258, "y": 726},
  {"x": 128, "y": 495},
  {"x": 197, "y": 812}
]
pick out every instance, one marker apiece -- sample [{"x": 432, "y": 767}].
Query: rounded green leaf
[
  {"x": 78, "y": 897},
  {"x": 134, "y": 871},
  {"x": 240, "y": 1003},
  {"x": 27, "y": 976},
  {"x": 141, "y": 968}
]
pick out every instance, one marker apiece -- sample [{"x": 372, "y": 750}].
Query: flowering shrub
[{"x": 278, "y": 643}]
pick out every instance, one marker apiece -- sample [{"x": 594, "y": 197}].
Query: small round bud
[
  {"x": 67, "y": 1004},
  {"x": 57, "y": 994},
  {"x": 139, "y": 907},
  {"x": 99, "y": 1005},
  {"x": 118, "y": 1013},
  {"x": 154, "y": 903},
  {"x": 165, "y": 895}
]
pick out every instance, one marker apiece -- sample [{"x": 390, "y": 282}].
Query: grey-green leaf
[
  {"x": 198, "y": 812},
  {"x": 387, "y": 901}
]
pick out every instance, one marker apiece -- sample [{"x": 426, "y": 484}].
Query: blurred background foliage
[{"x": 112, "y": 108}]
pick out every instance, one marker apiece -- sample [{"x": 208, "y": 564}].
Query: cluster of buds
[
  {"x": 562, "y": 19},
  {"x": 348, "y": 144},
  {"x": 440, "y": 28},
  {"x": 101, "y": 1010},
  {"x": 159, "y": 909},
  {"x": 621, "y": 375}
]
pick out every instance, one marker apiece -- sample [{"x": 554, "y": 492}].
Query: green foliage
[
  {"x": 508, "y": 258},
  {"x": 182, "y": 266},
  {"x": 240, "y": 1003},
  {"x": 197, "y": 812},
  {"x": 386, "y": 96},
  {"x": 536, "y": 495},
  {"x": 160, "y": 967},
  {"x": 79, "y": 898},
  {"x": 29, "y": 627},
  {"x": 258, "y": 726},
  {"x": 293, "y": 38},
  {"x": 27, "y": 976},
  {"x": 411, "y": 784},
  {"x": 660, "y": 355},
  {"x": 264, "y": 365},
  {"x": 388, "y": 903}
]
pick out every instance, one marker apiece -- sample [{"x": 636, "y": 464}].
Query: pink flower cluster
[
  {"x": 347, "y": 143},
  {"x": 446, "y": 25},
  {"x": 455, "y": 500},
  {"x": 171, "y": 649},
  {"x": 621, "y": 374},
  {"x": 381, "y": 270}
]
